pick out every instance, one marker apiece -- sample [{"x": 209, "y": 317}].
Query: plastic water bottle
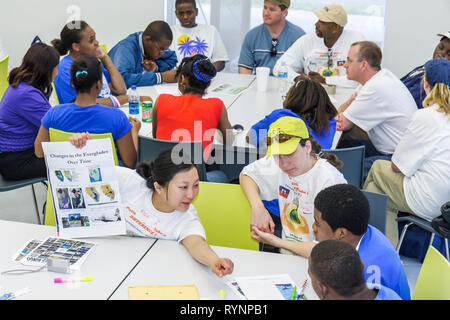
[
  {"x": 133, "y": 102},
  {"x": 283, "y": 79}
]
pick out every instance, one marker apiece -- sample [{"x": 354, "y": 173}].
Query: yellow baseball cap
[
  {"x": 332, "y": 13},
  {"x": 285, "y": 134}
]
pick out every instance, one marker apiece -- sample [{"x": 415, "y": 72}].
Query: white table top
[
  {"x": 108, "y": 264},
  {"x": 246, "y": 108},
  {"x": 169, "y": 263}
]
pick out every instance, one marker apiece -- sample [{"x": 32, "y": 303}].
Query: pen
[
  {"x": 62, "y": 280},
  {"x": 293, "y": 293},
  {"x": 12, "y": 295},
  {"x": 303, "y": 288}
]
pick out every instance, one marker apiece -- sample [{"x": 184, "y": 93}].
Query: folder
[{"x": 184, "y": 292}]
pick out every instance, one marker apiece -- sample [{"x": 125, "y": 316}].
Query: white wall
[
  {"x": 22, "y": 20},
  {"x": 411, "y": 32}
]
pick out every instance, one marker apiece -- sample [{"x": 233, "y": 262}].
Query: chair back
[
  {"x": 232, "y": 159},
  {"x": 55, "y": 94},
  {"x": 59, "y": 135},
  {"x": 433, "y": 282},
  {"x": 378, "y": 207},
  {"x": 149, "y": 149},
  {"x": 3, "y": 75},
  {"x": 353, "y": 159},
  {"x": 225, "y": 214}
]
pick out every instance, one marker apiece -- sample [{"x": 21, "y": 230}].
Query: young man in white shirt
[
  {"x": 381, "y": 106},
  {"x": 321, "y": 56},
  {"x": 191, "y": 38}
]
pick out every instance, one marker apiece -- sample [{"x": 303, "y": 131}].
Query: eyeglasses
[
  {"x": 280, "y": 138},
  {"x": 273, "y": 50}
]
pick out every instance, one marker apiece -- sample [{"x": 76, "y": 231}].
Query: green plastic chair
[
  {"x": 225, "y": 214},
  {"x": 3, "y": 75},
  {"x": 58, "y": 135},
  {"x": 433, "y": 282},
  {"x": 55, "y": 93}
]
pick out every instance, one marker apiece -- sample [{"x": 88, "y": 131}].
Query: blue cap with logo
[{"x": 438, "y": 71}]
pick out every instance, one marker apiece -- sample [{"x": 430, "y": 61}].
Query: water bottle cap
[{"x": 133, "y": 87}]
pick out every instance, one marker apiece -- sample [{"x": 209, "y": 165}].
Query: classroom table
[
  {"x": 246, "y": 108},
  {"x": 169, "y": 263},
  {"x": 252, "y": 106},
  {"x": 108, "y": 264}
]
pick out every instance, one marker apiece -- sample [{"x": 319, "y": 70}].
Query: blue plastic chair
[
  {"x": 149, "y": 149},
  {"x": 378, "y": 207},
  {"x": 353, "y": 159}
]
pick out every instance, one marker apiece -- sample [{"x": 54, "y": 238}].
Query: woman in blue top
[
  {"x": 78, "y": 39},
  {"x": 307, "y": 100},
  {"x": 23, "y": 105},
  {"x": 85, "y": 115}
]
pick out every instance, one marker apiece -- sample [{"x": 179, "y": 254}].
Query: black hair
[
  {"x": 344, "y": 206},
  {"x": 70, "y": 34},
  {"x": 36, "y": 68},
  {"x": 193, "y": 70},
  {"x": 177, "y": 2},
  {"x": 164, "y": 167},
  {"x": 84, "y": 73},
  {"x": 337, "y": 265},
  {"x": 158, "y": 30},
  {"x": 309, "y": 99}
]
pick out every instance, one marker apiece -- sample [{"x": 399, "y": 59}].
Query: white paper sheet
[{"x": 272, "y": 287}]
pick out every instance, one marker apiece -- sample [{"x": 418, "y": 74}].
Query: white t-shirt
[
  {"x": 295, "y": 194},
  {"x": 423, "y": 156},
  {"x": 202, "y": 39},
  {"x": 309, "y": 53},
  {"x": 382, "y": 108},
  {"x": 144, "y": 220}
]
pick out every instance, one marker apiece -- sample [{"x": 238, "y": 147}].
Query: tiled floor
[{"x": 18, "y": 205}]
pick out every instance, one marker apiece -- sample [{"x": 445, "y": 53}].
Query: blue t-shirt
[
  {"x": 65, "y": 90},
  {"x": 385, "y": 293},
  {"x": 257, "y": 45},
  {"x": 260, "y": 129},
  {"x": 382, "y": 264},
  {"x": 93, "y": 119},
  {"x": 413, "y": 81}
]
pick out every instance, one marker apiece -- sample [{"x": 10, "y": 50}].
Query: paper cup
[{"x": 262, "y": 78}]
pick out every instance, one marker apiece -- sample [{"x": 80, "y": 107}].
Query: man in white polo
[
  {"x": 381, "y": 106},
  {"x": 321, "y": 56}
]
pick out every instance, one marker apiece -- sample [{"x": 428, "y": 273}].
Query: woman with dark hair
[
  {"x": 23, "y": 105},
  {"x": 309, "y": 101},
  {"x": 185, "y": 117},
  {"x": 157, "y": 198},
  {"x": 78, "y": 39},
  {"x": 85, "y": 115}
]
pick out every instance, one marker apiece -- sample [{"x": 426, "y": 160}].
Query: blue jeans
[{"x": 216, "y": 176}]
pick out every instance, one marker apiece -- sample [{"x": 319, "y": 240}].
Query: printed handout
[{"x": 85, "y": 189}]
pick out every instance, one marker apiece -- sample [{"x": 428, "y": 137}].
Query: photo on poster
[
  {"x": 108, "y": 191},
  {"x": 95, "y": 174},
  {"x": 76, "y": 195},
  {"x": 106, "y": 215},
  {"x": 63, "y": 198},
  {"x": 93, "y": 194},
  {"x": 26, "y": 249}
]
